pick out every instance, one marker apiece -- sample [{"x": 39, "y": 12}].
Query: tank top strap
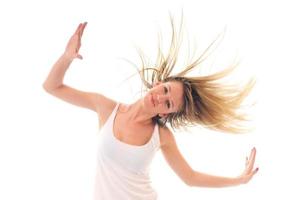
[
  {"x": 113, "y": 113},
  {"x": 115, "y": 108},
  {"x": 111, "y": 117},
  {"x": 155, "y": 137}
]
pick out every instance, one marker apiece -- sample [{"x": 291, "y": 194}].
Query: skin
[
  {"x": 249, "y": 171},
  {"x": 206, "y": 180},
  {"x": 140, "y": 114},
  {"x": 143, "y": 110},
  {"x": 74, "y": 43},
  {"x": 162, "y": 99}
]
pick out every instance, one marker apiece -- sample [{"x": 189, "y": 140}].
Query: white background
[{"x": 47, "y": 146}]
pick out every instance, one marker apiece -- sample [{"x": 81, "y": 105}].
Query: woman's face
[{"x": 165, "y": 98}]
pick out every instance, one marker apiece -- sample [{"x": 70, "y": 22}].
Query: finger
[
  {"x": 248, "y": 158},
  {"x": 82, "y": 29},
  {"x": 251, "y": 161},
  {"x": 253, "y": 151},
  {"x": 78, "y": 28},
  {"x": 249, "y": 167},
  {"x": 80, "y": 56},
  {"x": 252, "y": 156},
  {"x": 256, "y": 170},
  {"x": 81, "y": 32}
]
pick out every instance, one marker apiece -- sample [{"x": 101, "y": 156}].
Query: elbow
[
  {"x": 189, "y": 181},
  {"x": 48, "y": 88},
  {"x": 45, "y": 87}
]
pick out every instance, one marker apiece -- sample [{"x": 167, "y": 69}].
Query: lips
[{"x": 152, "y": 100}]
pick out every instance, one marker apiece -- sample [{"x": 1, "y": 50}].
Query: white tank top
[{"x": 123, "y": 169}]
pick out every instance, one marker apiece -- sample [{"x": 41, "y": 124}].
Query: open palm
[
  {"x": 249, "y": 171},
  {"x": 74, "y": 43}
]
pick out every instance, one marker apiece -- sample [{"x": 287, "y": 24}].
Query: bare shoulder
[
  {"x": 94, "y": 101},
  {"x": 166, "y": 137},
  {"x": 104, "y": 107}
]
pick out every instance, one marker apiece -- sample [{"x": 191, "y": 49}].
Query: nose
[{"x": 162, "y": 98}]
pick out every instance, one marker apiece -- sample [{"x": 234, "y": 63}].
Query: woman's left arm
[
  {"x": 195, "y": 178},
  {"x": 206, "y": 180}
]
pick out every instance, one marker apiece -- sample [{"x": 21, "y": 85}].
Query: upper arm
[
  {"x": 174, "y": 157},
  {"x": 99, "y": 103}
]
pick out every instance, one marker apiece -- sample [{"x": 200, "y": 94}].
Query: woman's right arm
[
  {"x": 54, "y": 82},
  {"x": 56, "y": 75}
]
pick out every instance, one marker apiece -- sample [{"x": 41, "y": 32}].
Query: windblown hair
[{"x": 206, "y": 101}]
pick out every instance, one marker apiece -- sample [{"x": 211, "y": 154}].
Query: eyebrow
[{"x": 170, "y": 93}]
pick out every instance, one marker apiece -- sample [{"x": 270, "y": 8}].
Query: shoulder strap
[
  {"x": 110, "y": 116},
  {"x": 155, "y": 137}
]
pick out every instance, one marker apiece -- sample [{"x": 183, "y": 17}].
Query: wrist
[
  {"x": 67, "y": 57},
  {"x": 239, "y": 180}
]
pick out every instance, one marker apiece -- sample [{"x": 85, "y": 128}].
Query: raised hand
[
  {"x": 249, "y": 171},
  {"x": 74, "y": 43}
]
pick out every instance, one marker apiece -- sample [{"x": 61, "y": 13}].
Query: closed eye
[
  {"x": 165, "y": 90},
  {"x": 168, "y": 104}
]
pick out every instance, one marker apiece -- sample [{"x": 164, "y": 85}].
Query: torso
[{"x": 130, "y": 133}]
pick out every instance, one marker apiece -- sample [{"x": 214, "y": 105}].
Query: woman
[{"x": 131, "y": 134}]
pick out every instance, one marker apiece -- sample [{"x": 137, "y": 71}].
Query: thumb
[{"x": 79, "y": 56}]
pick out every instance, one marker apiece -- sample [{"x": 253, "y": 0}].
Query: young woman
[{"x": 130, "y": 135}]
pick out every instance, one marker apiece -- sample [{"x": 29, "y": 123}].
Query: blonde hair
[{"x": 206, "y": 101}]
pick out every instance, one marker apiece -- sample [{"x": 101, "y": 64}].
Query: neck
[{"x": 138, "y": 113}]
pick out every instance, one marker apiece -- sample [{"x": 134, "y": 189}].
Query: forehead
[{"x": 176, "y": 93}]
